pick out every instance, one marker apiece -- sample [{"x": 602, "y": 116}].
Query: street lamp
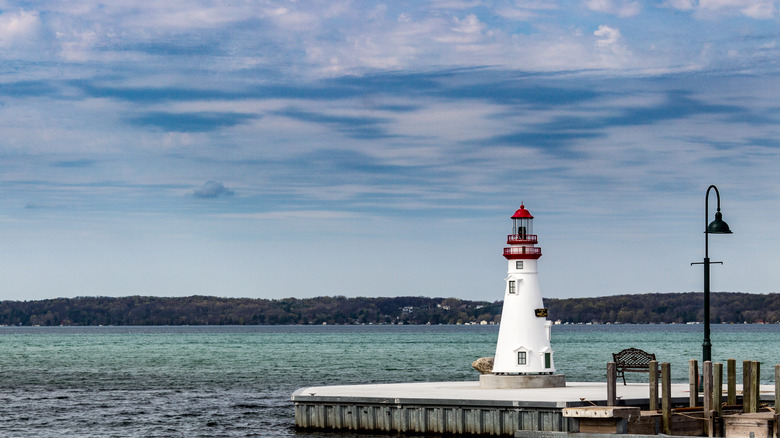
[{"x": 718, "y": 226}]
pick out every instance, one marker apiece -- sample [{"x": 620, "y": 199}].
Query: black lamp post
[{"x": 718, "y": 226}]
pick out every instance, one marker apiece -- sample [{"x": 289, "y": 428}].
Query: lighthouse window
[
  {"x": 512, "y": 289},
  {"x": 521, "y": 358},
  {"x": 519, "y": 264}
]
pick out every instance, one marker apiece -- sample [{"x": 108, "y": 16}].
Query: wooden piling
[
  {"x": 746, "y": 387},
  {"x": 666, "y": 398},
  {"x": 611, "y": 384},
  {"x": 777, "y": 388},
  {"x": 731, "y": 379},
  {"x": 776, "y": 429},
  {"x": 717, "y": 387},
  {"x": 717, "y": 400},
  {"x": 755, "y": 383},
  {"x": 653, "y": 380},
  {"x": 706, "y": 369},
  {"x": 693, "y": 381}
]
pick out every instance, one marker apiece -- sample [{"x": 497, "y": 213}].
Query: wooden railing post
[
  {"x": 777, "y": 388},
  {"x": 717, "y": 398},
  {"x": 653, "y": 379},
  {"x": 693, "y": 382},
  {"x": 776, "y": 430},
  {"x": 731, "y": 378},
  {"x": 777, "y": 400},
  {"x": 611, "y": 384},
  {"x": 706, "y": 369},
  {"x": 717, "y": 386},
  {"x": 746, "y": 387},
  {"x": 666, "y": 398},
  {"x": 755, "y": 382}
]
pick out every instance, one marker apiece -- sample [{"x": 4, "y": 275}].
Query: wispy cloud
[
  {"x": 621, "y": 8},
  {"x": 18, "y": 28},
  {"x": 82, "y": 163},
  {"x": 363, "y": 127},
  {"x": 758, "y": 9},
  {"x": 191, "y": 122},
  {"x": 36, "y": 206},
  {"x": 302, "y": 214}
]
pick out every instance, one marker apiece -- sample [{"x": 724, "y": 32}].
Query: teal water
[{"x": 237, "y": 380}]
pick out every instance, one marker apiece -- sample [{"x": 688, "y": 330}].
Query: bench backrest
[{"x": 633, "y": 358}]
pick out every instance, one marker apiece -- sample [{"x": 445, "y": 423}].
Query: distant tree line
[
  {"x": 207, "y": 310},
  {"x": 725, "y": 308}
]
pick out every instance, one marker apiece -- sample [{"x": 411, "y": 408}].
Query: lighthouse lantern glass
[{"x": 523, "y": 227}]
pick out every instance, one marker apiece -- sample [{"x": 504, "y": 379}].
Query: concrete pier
[
  {"x": 456, "y": 407},
  {"x": 493, "y": 381}
]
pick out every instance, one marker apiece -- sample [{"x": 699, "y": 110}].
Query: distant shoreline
[{"x": 653, "y": 308}]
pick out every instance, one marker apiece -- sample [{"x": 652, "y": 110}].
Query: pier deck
[{"x": 456, "y": 407}]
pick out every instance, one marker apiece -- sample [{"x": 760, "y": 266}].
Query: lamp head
[{"x": 718, "y": 226}]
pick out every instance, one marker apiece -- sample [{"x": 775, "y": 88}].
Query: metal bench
[{"x": 632, "y": 360}]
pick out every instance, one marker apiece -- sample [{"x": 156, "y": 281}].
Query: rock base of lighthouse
[{"x": 495, "y": 381}]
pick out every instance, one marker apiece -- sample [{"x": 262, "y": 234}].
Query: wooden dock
[
  {"x": 590, "y": 409},
  {"x": 460, "y": 408}
]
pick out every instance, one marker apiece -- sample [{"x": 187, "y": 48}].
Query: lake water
[{"x": 237, "y": 380}]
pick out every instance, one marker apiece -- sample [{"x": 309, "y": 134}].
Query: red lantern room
[{"x": 522, "y": 238}]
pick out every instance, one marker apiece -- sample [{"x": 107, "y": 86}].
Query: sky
[{"x": 273, "y": 148}]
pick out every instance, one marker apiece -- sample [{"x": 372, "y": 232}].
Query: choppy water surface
[{"x": 237, "y": 381}]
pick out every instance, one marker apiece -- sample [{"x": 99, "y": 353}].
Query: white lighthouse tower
[{"x": 523, "y": 357}]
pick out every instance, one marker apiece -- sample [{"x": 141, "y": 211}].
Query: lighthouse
[{"x": 523, "y": 356}]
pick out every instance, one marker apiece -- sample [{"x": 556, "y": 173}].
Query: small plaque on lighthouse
[{"x": 541, "y": 313}]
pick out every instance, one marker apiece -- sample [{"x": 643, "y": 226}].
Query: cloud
[
  {"x": 362, "y": 127},
  {"x": 607, "y": 36},
  {"x": 621, "y": 8},
  {"x": 525, "y": 10},
  {"x": 556, "y": 144},
  {"x": 192, "y": 122},
  {"x": 28, "y": 89},
  {"x": 763, "y": 10},
  {"x": 298, "y": 214},
  {"x": 211, "y": 190},
  {"x": 470, "y": 24},
  {"x": 757, "y": 9},
  {"x": 307, "y": 40},
  {"x": 37, "y": 206},
  {"x": 82, "y": 163},
  {"x": 18, "y": 27},
  {"x": 342, "y": 89},
  {"x": 685, "y": 5}
]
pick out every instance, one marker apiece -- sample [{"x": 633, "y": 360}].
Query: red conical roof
[{"x": 522, "y": 213}]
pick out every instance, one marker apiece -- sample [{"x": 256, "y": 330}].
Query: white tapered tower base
[{"x": 495, "y": 381}]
